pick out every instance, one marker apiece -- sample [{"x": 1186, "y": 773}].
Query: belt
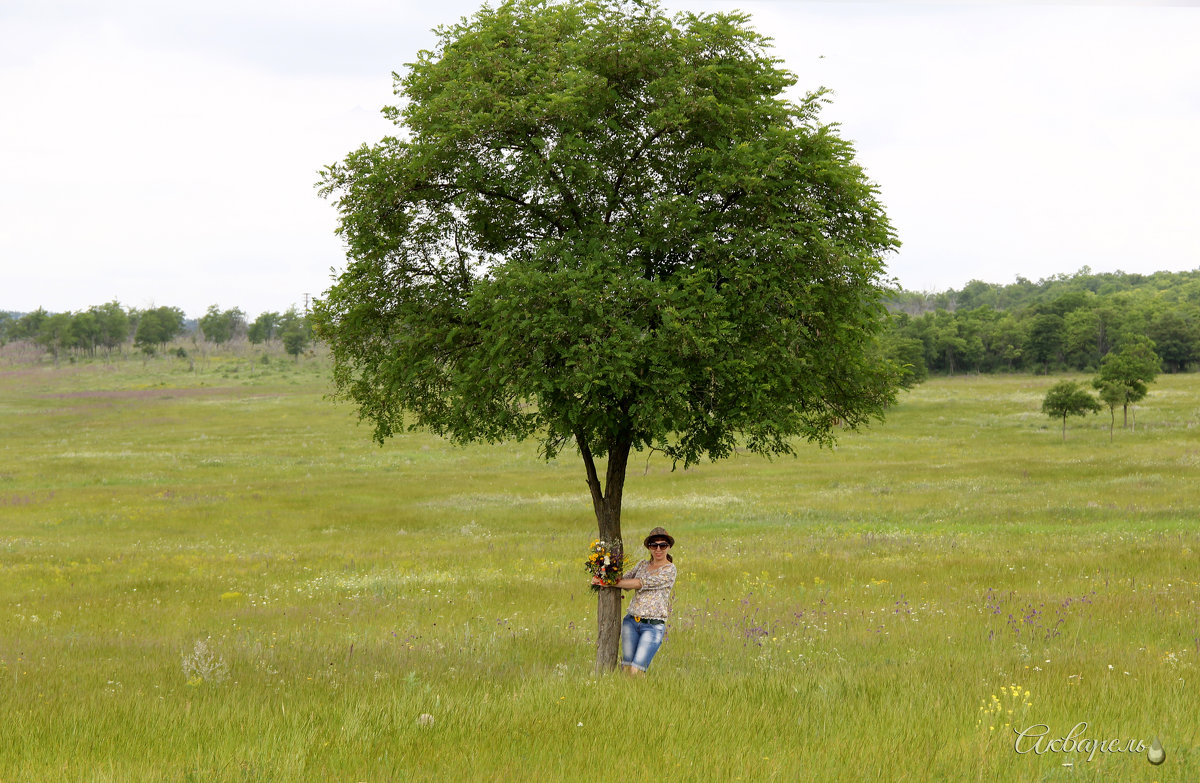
[{"x": 647, "y": 620}]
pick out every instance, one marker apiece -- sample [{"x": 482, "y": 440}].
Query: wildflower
[
  {"x": 204, "y": 665},
  {"x": 606, "y": 561}
]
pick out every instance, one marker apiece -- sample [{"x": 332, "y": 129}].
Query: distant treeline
[
  {"x": 1061, "y": 323},
  {"x": 110, "y": 327}
]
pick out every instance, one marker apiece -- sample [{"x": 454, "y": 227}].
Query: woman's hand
[{"x": 597, "y": 581}]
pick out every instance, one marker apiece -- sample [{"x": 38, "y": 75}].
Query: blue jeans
[{"x": 639, "y": 642}]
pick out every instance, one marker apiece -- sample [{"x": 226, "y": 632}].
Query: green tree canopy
[
  {"x": 28, "y": 326},
  {"x": 1132, "y": 369},
  {"x": 1046, "y": 338},
  {"x": 54, "y": 333},
  {"x": 158, "y": 326},
  {"x": 263, "y": 328},
  {"x": 605, "y": 228},
  {"x": 1068, "y": 398},
  {"x": 221, "y": 326},
  {"x": 111, "y": 324},
  {"x": 84, "y": 331},
  {"x": 295, "y": 331},
  {"x": 1063, "y": 322},
  {"x": 1176, "y": 338}
]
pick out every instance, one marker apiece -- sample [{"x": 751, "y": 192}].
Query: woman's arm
[{"x": 624, "y": 584}]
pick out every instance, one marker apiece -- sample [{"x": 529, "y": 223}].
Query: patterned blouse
[{"x": 653, "y": 598}]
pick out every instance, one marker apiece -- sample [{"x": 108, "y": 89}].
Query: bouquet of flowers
[{"x": 605, "y": 560}]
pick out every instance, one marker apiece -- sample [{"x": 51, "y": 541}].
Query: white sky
[{"x": 165, "y": 152}]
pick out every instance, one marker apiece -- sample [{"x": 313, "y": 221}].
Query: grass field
[{"x": 217, "y": 576}]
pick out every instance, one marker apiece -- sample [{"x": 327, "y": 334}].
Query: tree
[
  {"x": 607, "y": 230},
  {"x": 295, "y": 332},
  {"x": 908, "y": 353},
  {"x": 263, "y": 328},
  {"x": 221, "y": 326},
  {"x": 1068, "y": 398},
  {"x": 1113, "y": 394},
  {"x": 28, "y": 326},
  {"x": 946, "y": 342},
  {"x": 112, "y": 324},
  {"x": 1081, "y": 329},
  {"x": 1132, "y": 368},
  {"x": 1175, "y": 340},
  {"x": 1045, "y": 338},
  {"x": 1008, "y": 337},
  {"x": 84, "y": 333},
  {"x": 157, "y": 327},
  {"x": 54, "y": 333}
]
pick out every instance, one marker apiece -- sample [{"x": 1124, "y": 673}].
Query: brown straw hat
[{"x": 658, "y": 532}]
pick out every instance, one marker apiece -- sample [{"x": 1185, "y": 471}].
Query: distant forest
[
  {"x": 1061, "y": 323},
  {"x": 108, "y": 328}
]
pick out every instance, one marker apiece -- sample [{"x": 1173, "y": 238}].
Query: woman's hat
[{"x": 658, "y": 532}]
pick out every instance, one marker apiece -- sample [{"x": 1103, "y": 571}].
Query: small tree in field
[
  {"x": 157, "y": 327},
  {"x": 112, "y": 325},
  {"x": 1068, "y": 398},
  {"x": 264, "y": 328},
  {"x": 296, "y": 333},
  {"x": 54, "y": 334},
  {"x": 1113, "y": 394},
  {"x": 1132, "y": 369},
  {"x": 221, "y": 326},
  {"x": 608, "y": 230}
]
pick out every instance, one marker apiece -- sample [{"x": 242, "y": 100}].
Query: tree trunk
[
  {"x": 606, "y": 501},
  {"x": 1064, "y": 428}
]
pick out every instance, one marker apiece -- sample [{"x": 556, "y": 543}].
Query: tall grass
[{"x": 212, "y": 573}]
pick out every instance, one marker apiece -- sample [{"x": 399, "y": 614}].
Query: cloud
[
  {"x": 167, "y": 151},
  {"x": 1006, "y": 141},
  {"x": 149, "y": 173}
]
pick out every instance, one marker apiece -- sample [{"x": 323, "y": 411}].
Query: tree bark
[{"x": 606, "y": 502}]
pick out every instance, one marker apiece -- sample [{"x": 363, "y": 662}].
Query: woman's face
[{"x": 658, "y": 550}]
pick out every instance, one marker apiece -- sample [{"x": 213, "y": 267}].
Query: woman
[{"x": 645, "y": 625}]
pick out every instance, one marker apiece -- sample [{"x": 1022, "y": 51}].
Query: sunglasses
[{"x": 658, "y": 545}]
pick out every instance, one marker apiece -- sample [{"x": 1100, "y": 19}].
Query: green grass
[{"x": 844, "y": 615}]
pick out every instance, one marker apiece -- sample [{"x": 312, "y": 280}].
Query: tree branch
[
  {"x": 589, "y": 465},
  {"x": 649, "y": 453},
  {"x": 614, "y": 199},
  {"x": 533, "y": 208}
]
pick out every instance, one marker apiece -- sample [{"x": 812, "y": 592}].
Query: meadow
[{"x": 211, "y": 573}]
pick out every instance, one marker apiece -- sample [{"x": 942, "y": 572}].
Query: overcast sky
[{"x": 165, "y": 152}]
